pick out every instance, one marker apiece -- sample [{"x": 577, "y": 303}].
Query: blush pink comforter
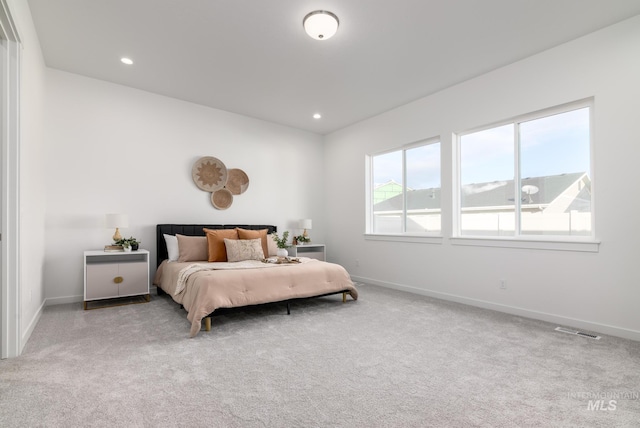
[{"x": 211, "y": 286}]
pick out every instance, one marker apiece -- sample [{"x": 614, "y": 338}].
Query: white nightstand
[
  {"x": 313, "y": 251},
  {"x": 119, "y": 274}
]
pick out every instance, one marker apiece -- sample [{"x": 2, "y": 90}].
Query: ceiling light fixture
[
  {"x": 320, "y": 24},
  {"x": 127, "y": 61},
  {"x": 317, "y": 116}
]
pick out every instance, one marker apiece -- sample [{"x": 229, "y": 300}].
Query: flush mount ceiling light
[
  {"x": 125, "y": 60},
  {"x": 320, "y": 24}
]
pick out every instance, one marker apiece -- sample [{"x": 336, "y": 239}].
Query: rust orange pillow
[
  {"x": 255, "y": 234},
  {"x": 215, "y": 243}
]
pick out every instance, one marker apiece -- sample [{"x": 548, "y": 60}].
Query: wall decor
[
  {"x": 222, "y": 199},
  {"x": 237, "y": 181},
  {"x": 211, "y": 175}
]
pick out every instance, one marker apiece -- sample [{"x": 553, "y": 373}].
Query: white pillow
[
  {"x": 172, "y": 247},
  {"x": 243, "y": 249}
]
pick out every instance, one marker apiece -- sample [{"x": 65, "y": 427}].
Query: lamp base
[{"x": 116, "y": 236}]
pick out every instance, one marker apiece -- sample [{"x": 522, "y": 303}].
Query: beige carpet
[{"x": 391, "y": 359}]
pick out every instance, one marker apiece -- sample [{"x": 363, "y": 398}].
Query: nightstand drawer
[{"x": 116, "y": 280}]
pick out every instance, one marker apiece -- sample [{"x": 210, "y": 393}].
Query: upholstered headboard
[{"x": 195, "y": 230}]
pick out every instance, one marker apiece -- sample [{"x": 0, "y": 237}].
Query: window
[
  {"x": 528, "y": 177},
  {"x": 405, "y": 190}
]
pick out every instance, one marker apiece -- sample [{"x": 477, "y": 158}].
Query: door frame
[{"x": 10, "y": 344}]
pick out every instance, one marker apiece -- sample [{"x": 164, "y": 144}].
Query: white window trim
[
  {"x": 561, "y": 243},
  {"x": 411, "y": 238},
  {"x": 429, "y": 237},
  {"x": 590, "y": 246}
]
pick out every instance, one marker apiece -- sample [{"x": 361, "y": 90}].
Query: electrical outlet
[{"x": 503, "y": 284}]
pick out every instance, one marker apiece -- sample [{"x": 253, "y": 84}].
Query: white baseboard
[
  {"x": 32, "y": 325},
  {"x": 564, "y": 321}
]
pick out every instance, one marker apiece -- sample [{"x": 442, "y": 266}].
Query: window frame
[
  {"x": 424, "y": 237},
  {"x": 518, "y": 240}
]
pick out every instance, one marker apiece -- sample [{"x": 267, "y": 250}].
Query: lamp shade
[
  {"x": 117, "y": 220},
  {"x": 305, "y": 223},
  {"x": 320, "y": 24}
]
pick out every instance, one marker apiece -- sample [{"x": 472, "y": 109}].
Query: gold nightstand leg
[
  {"x": 85, "y": 305},
  {"x": 207, "y": 324},
  {"x": 148, "y": 297}
]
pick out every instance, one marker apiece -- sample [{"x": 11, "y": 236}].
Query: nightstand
[
  {"x": 313, "y": 251},
  {"x": 110, "y": 275}
]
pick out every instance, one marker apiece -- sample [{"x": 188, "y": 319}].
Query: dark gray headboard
[{"x": 195, "y": 230}]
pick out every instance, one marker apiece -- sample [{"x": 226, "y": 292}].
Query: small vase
[
  {"x": 134, "y": 247},
  {"x": 282, "y": 252},
  {"x": 126, "y": 249}
]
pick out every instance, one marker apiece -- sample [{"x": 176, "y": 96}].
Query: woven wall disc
[
  {"x": 209, "y": 174},
  {"x": 237, "y": 181},
  {"x": 222, "y": 199}
]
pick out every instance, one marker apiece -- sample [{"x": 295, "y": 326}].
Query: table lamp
[
  {"x": 305, "y": 224},
  {"x": 117, "y": 221}
]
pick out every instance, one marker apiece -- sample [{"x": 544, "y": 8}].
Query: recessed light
[
  {"x": 127, "y": 61},
  {"x": 317, "y": 116}
]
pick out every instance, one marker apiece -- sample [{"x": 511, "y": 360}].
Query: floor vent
[{"x": 577, "y": 333}]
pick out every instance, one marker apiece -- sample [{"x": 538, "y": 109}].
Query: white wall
[
  {"x": 32, "y": 173},
  {"x": 98, "y": 147},
  {"x": 115, "y": 149},
  {"x": 599, "y": 291}
]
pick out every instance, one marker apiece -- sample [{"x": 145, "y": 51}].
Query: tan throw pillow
[
  {"x": 271, "y": 244},
  {"x": 215, "y": 243},
  {"x": 255, "y": 234},
  {"x": 192, "y": 248},
  {"x": 243, "y": 249}
]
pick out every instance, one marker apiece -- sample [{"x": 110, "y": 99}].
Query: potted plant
[
  {"x": 281, "y": 243},
  {"x": 129, "y": 244},
  {"x": 135, "y": 244},
  {"x": 303, "y": 239}
]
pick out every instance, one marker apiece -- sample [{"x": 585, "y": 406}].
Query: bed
[{"x": 205, "y": 286}]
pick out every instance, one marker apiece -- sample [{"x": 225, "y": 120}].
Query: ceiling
[{"x": 252, "y": 57}]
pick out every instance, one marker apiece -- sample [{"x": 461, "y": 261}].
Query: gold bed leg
[
  {"x": 344, "y": 297},
  {"x": 207, "y": 324},
  {"x": 147, "y": 297}
]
